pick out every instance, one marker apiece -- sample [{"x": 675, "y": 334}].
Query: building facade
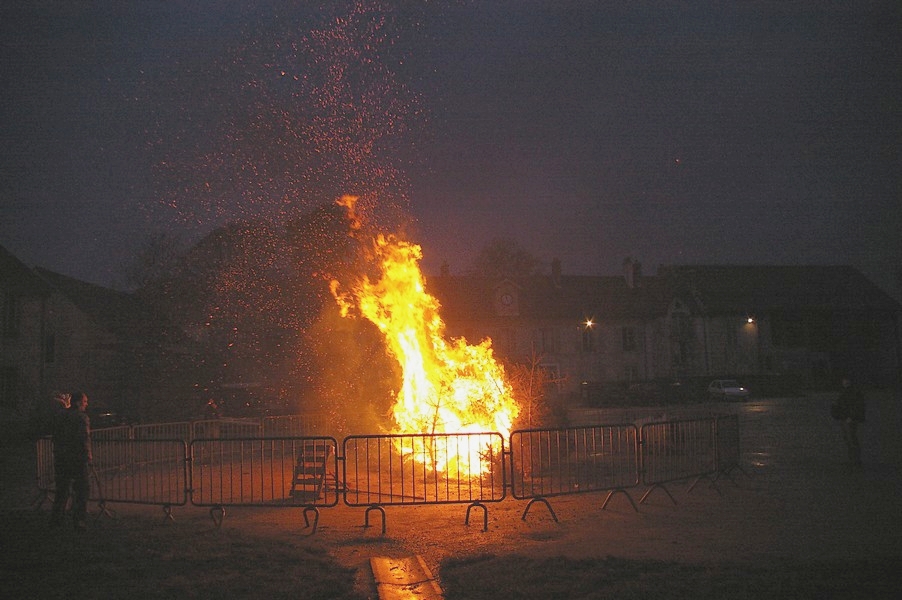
[
  {"x": 62, "y": 334},
  {"x": 800, "y": 325},
  {"x": 627, "y": 337}
]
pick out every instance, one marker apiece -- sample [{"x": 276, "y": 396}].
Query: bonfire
[{"x": 448, "y": 386}]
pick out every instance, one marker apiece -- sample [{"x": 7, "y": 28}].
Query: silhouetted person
[
  {"x": 44, "y": 416},
  {"x": 59, "y": 432},
  {"x": 72, "y": 446},
  {"x": 59, "y": 405},
  {"x": 849, "y": 410}
]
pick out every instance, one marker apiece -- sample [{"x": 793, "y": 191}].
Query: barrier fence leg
[
  {"x": 699, "y": 478},
  {"x": 657, "y": 486},
  {"x": 628, "y": 497},
  {"x": 485, "y": 515},
  {"x": 104, "y": 511},
  {"x": 366, "y": 516},
  {"x": 217, "y": 513},
  {"x": 307, "y": 511},
  {"x": 728, "y": 473},
  {"x": 543, "y": 501}
]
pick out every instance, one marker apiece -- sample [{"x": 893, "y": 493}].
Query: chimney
[{"x": 556, "y": 272}]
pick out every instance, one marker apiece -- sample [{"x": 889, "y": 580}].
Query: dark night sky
[{"x": 672, "y": 132}]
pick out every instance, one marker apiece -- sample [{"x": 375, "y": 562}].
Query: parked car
[
  {"x": 107, "y": 419},
  {"x": 727, "y": 389}
]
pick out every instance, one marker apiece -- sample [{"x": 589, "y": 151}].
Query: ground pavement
[{"x": 796, "y": 497}]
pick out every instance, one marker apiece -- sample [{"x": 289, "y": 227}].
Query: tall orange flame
[{"x": 448, "y": 386}]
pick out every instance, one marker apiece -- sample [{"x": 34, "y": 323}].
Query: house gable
[{"x": 506, "y": 299}]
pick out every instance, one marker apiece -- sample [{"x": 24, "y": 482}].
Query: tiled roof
[
  {"x": 570, "y": 297},
  {"x": 731, "y": 289},
  {"x": 119, "y": 312},
  {"x": 707, "y": 289},
  {"x": 19, "y": 277}
]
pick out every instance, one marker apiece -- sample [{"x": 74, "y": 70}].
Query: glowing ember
[{"x": 448, "y": 386}]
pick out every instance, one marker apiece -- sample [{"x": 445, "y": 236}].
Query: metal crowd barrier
[
  {"x": 406, "y": 469},
  {"x": 676, "y": 451},
  {"x": 555, "y": 462},
  {"x": 728, "y": 453},
  {"x": 45, "y": 471},
  {"x": 140, "y": 472},
  {"x": 122, "y": 432},
  {"x": 163, "y": 431},
  {"x": 230, "y": 469},
  {"x": 293, "y": 472},
  {"x": 126, "y": 471},
  {"x": 226, "y": 429},
  {"x": 308, "y": 424}
]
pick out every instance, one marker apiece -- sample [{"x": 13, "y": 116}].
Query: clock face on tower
[{"x": 507, "y": 299}]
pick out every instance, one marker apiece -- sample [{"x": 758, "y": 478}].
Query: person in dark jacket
[
  {"x": 72, "y": 446},
  {"x": 59, "y": 434},
  {"x": 849, "y": 410},
  {"x": 59, "y": 405}
]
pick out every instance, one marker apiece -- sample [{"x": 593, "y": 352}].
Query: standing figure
[
  {"x": 44, "y": 416},
  {"x": 59, "y": 432},
  {"x": 59, "y": 405},
  {"x": 849, "y": 410},
  {"x": 72, "y": 460}
]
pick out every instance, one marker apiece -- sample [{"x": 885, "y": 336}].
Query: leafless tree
[
  {"x": 503, "y": 257},
  {"x": 531, "y": 383}
]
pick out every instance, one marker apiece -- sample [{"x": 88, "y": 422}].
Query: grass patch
[
  {"x": 139, "y": 558},
  {"x": 491, "y": 577}
]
